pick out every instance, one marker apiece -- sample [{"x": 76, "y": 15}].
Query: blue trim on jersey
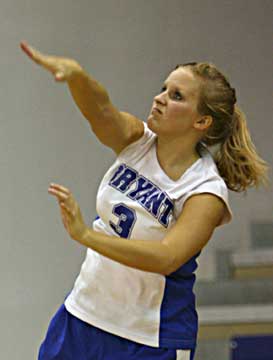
[{"x": 178, "y": 316}]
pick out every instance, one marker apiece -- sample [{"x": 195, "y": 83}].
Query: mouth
[{"x": 155, "y": 109}]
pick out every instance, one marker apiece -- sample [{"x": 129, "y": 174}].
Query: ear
[{"x": 203, "y": 123}]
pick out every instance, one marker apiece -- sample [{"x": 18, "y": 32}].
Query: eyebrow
[
  {"x": 166, "y": 83},
  {"x": 178, "y": 88}
]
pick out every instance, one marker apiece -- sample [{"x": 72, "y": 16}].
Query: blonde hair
[{"x": 237, "y": 160}]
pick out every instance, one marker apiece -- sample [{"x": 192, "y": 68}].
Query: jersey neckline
[{"x": 154, "y": 154}]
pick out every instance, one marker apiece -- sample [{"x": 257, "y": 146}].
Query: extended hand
[
  {"x": 70, "y": 212},
  {"x": 63, "y": 69}
]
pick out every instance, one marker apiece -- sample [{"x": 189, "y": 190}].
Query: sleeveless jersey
[{"x": 137, "y": 200}]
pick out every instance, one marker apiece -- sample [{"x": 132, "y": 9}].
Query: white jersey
[{"x": 137, "y": 200}]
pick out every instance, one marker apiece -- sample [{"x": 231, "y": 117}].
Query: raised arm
[{"x": 114, "y": 128}]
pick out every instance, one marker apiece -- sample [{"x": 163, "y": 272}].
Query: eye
[{"x": 177, "y": 95}]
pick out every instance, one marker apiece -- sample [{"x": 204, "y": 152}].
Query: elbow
[{"x": 168, "y": 271}]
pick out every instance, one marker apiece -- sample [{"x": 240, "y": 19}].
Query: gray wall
[{"x": 129, "y": 46}]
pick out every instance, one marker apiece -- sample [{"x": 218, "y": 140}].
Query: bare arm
[
  {"x": 193, "y": 229},
  {"x": 201, "y": 214},
  {"x": 112, "y": 127}
]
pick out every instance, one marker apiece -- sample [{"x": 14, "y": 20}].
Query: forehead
[{"x": 184, "y": 80}]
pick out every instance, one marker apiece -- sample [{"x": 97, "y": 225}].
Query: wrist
[{"x": 86, "y": 236}]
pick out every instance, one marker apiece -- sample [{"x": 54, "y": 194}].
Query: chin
[{"x": 151, "y": 123}]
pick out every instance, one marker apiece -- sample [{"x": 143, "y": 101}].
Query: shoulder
[
  {"x": 207, "y": 206},
  {"x": 139, "y": 144},
  {"x": 206, "y": 180},
  {"x": 133, "y": 128}
]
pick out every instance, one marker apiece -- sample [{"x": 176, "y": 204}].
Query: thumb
[{"x": 59, "y": 76}]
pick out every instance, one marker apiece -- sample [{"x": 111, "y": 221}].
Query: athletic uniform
[{"x": 152, "y": 315}]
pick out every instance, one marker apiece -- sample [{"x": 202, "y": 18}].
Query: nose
[{"x": 160, "y": 98}]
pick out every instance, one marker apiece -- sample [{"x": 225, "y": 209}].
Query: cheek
[{"x": 180, "y": 112}]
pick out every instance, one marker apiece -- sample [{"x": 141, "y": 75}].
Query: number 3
[{"x": 127, "y": 219}]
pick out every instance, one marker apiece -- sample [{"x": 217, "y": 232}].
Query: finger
[
  {"x": 61, "y": 196},
  {"x": 66, "y": 209},
  {"x": 48, "y": 62},
  {"x": 60, "y": 187},
  {"x": 34, "y": 54},
  {"x": 25, "y": 48}
]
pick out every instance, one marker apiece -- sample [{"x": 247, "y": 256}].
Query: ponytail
[{"x": 237, "y": 159}]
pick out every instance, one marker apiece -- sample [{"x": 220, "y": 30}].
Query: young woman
[{"x": 157, "y": 206}]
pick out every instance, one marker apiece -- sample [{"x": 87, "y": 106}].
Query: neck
[{"x": 176, "y": 154}]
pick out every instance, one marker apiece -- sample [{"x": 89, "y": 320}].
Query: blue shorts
[{"x": 69, "y": 338}]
